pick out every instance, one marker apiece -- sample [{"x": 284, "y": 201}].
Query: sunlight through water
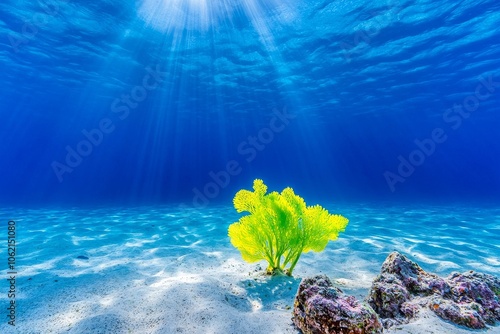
[{"x": 168, "y": 15}]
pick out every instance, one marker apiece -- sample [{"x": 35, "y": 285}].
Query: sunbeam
[{"x": 168, "y": 15}]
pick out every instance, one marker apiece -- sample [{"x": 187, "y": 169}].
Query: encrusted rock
[
  {"x": 403, "y": 288},
  {"x": 461, "y": 314},
  {"x": 322, "y": 308},
  {"x": 473, "y": 300}
]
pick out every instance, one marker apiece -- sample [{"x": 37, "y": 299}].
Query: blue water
[{"x": 363, "y": 81}]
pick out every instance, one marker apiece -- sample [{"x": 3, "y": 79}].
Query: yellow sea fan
[
  {"x": 246, "y": 200},
  {"x": 280, "y": 227}
]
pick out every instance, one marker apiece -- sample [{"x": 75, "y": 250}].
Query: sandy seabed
[{"x": 172, "y": 269}]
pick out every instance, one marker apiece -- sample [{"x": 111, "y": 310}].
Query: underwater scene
[{"x": 254, "y": 166}]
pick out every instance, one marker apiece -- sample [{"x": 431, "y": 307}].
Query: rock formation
[
  {"x": 403, "y": 288},
  {"x": 398, "y": 295},
  {"x": 322, "y": 308}
]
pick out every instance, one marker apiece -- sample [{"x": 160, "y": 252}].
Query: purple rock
[
  {"x": 403, "y": 288},
  {"x": 477, "y": 296},
  {"x": 322, "y": 308},
  {"x": 468, "y": 315}
]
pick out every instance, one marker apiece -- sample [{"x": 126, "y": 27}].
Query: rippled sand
[{"x": 173, "y": 270}]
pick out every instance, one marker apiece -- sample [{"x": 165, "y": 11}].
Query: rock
[
  {"x": 394, "y": 290},
  {"x": 322, "y": 308},
  {"x": 461, "y": 314},
  {"x": 473, "y": 300},
  {"x": 403, "y": 288}
]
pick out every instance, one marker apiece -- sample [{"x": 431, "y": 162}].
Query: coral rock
[
  {"x": 461, "y": 314},
  {"x": 322, "y": 308},
  {"x": 473, "y": 300},
  {"x": 403, "y": 288}
]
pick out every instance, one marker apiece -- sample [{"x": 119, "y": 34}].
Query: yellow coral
[{"x": 280, "y": 227}]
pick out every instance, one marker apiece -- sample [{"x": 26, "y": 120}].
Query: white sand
[{"x": 182, "y": 275}]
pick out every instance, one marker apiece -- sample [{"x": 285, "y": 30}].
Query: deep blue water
[{"x": 182, "y": 89}]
